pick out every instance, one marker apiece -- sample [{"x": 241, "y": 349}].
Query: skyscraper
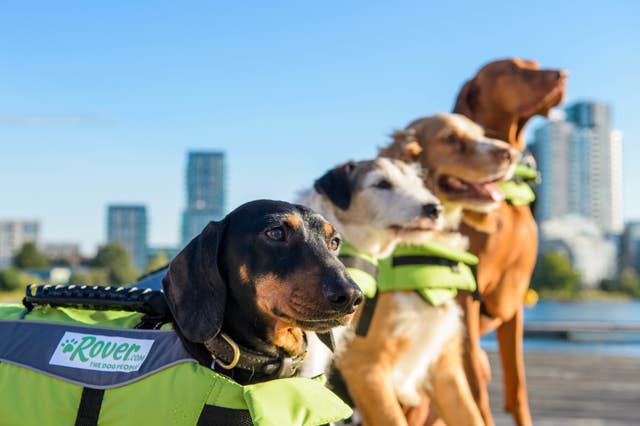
[
  {"x": 631, "y": 246},
  {"x": 205, "y": 192},
  {"x": 13, "y": 235},
  {"x": 127, "y": 225},
  {"x": 580, "y": 159}
]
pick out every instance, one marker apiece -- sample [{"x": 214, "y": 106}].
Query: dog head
[
  {"x": 462, "y": 165},
  {"x": 269, "y": 265},
  {"x": 377, "y": 202},
  {"x": 510, "y": 88}
]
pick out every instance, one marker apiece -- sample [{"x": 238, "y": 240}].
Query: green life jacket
[
  {"x": 435, "y": 270},
  {"x": 362, "y": 267},
  {"x": 61, "y": 364},
  {"x": 517, "y": 191}
]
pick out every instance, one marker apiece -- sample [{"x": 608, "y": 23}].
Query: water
[{"x": 623, "y": 312}]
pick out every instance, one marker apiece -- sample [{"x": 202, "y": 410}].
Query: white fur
[
  {"x": 374, "y": 210},
  {"x": 428, "y": 326}
]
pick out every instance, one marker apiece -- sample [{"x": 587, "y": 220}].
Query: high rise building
[
  {"x": 13, "y": 235},
  {"x": 127, "y": 225},
  {"x": 205, "y": 192},
  {"x": 631, "y": 246},
  {"x": 580, "y": 160}
]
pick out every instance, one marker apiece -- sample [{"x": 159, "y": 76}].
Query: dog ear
[
  {"x": 404, "y": 147},
  {"x": 336, "y": 185},
  {"x": 194, "y": 288},
  {"x": 466, "y": 102}
]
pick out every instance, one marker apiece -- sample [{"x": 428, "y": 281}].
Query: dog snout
[
  {"x": 503, "y": 154},
  {"x": 557, "y": 75},
  {"x": 431, "y": 210},
  {"x": 344, "y": 296}
]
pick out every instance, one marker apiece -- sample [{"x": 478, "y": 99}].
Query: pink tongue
[{"x": 491, "y": 190}]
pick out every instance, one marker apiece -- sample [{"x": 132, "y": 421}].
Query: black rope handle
[{"x": 144, "y": 300}]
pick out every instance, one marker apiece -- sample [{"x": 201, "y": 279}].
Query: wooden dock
[
  {"x": 584, "y": 331},
  {"x": 575, "y": 389}
]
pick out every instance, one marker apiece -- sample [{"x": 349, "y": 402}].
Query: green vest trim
[
  {"x": 437, "y": 271},
  {"x": 364, "y": 278},
  {"x": 188, "y": 385},
  {"x": 517, "y": 191}
]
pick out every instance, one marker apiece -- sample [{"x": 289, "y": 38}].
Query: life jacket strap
[
  {"x": 356, "y": 262},
  {"x": 424, "y": 260},
  {"x": 213, "y": 415},
  {"x": 366, "y": 316},
  {"x": 89, "y": 409}
]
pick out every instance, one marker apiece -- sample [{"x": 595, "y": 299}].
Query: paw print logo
[{"x": 68, "y": 345}]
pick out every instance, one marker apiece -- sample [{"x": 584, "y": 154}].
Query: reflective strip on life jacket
[{"x": 50, "y": 358}]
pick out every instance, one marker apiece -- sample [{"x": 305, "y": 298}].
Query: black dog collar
[{"x": 229, "y": 355}]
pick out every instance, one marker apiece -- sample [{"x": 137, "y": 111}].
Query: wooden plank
[{"x": 575, "y": 389}]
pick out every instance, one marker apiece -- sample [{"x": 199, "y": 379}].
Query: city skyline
[
  {"x": 578, "y": 155},
  {"x": 100, "y": 103}
]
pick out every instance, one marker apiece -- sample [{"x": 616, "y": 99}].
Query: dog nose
[
  {"x": 557, "y": 75},
  {"x": 345, "y": 298},
  {"x": 432, "y": 211}
]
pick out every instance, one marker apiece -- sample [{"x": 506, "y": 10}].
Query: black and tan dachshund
[{"x": 242, "y": 292}]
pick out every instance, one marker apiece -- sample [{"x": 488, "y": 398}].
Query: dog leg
[
  {"x": 473, "y": 365},
  {"x": 419, "y": 415},
  {"x": 450, "y": 389},
  {"x": 366, "y": 364},
  {"x": 515, "y": 388},
  {"x": 366, "y": 369}
]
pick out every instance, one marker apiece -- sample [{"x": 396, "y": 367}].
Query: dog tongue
[{"x": 490, "y": 190}]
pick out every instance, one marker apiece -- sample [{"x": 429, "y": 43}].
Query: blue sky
[{"x": 100, "y": 103}]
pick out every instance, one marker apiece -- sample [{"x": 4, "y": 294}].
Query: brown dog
[
  {"x": 502, "y": 97},
  {"x": 462, "y": 167}
]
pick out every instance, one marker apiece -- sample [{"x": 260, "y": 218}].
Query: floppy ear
[
  {"x": 404, "y": 147},
  {"x": 336, "y": 185},
  {"x": 194, "y": 288},
  {"x": 466, "y": 102}
]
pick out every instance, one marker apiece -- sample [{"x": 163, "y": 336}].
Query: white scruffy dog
[{"x": 375, "y": 205}]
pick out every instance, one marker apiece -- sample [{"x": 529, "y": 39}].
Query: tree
[
  {"x": 161, "y": 259},
  {"x": 117, "y": 264},
  {"x": 13, "y": 279},
  {"x": 554, "y": 272},
  {"x": 30, "y": 257},
  {"x": 628, "y": 283},
  {"x": 94, "y": 276}
]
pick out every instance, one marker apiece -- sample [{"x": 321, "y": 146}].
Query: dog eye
[
  {"x": 334, "y": 244},
  {"x": 276, "y": 234},
  {"x": 451, "y": 139},
  {"x": 383, "y": 184}
]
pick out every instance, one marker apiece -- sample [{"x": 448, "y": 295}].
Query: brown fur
[
  {"x": 244, "y": 273},
  {"x": 444, "y": 145},
  {"x": 447, "y": 144},
  {"x": 293, "y": 220},
  {"x": 274, "y": 295},
  {"x": 366, "y": 365},
  {"x": 502, "y": 97}
]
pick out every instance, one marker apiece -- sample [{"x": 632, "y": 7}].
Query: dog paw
[{"x": 68, "y": 345}]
